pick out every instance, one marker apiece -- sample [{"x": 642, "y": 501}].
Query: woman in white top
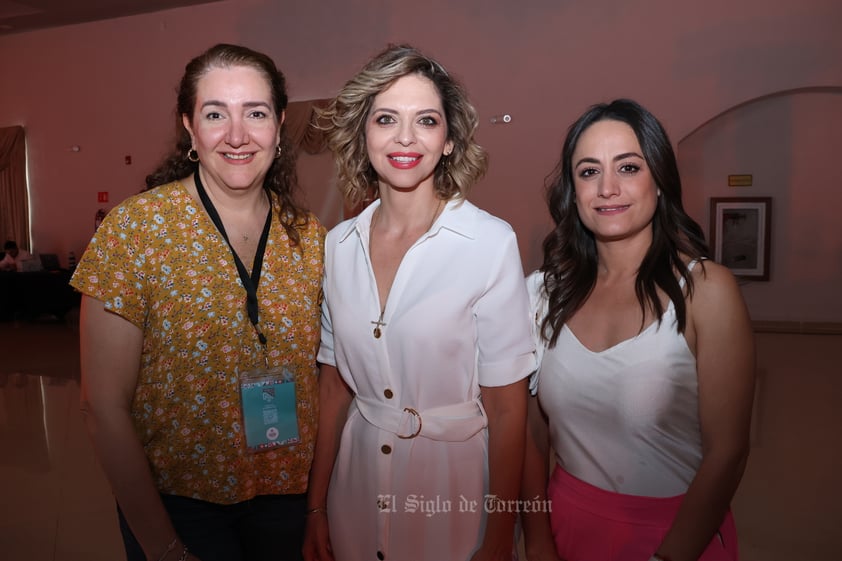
[
  {"x": 646, "y": 376},
  {"x": 424, "y": 355}
]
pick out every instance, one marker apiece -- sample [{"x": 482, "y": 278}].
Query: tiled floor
[{"x": 56, "y": 504}]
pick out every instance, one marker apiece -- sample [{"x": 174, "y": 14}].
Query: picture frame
[{"x": 740, "y": 235}]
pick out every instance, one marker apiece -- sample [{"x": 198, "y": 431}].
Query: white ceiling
[{"x": 26, "y": 15}]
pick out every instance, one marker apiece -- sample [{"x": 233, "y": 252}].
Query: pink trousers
[{"x": 591, "y": 524}]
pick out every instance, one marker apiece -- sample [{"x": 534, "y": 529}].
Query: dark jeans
[{"x": 265, "y": 528}]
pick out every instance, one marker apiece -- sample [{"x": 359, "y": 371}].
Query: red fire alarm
[{"x": 102, "y": 197}]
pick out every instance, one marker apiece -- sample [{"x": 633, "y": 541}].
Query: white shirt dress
[{"x": 411, "y": 475}]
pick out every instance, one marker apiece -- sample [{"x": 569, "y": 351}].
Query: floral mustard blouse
[{"x": 158, "y": 261}]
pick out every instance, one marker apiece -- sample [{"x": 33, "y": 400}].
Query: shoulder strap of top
[{"x": 690, "y": 267}]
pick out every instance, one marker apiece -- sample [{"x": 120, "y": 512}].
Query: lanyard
[{"x": 250, "y": 283}]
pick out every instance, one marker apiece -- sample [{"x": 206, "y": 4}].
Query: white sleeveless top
[{"x": 625, "y": 419}]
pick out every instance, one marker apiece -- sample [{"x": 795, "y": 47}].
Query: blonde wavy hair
[{"x": 344, "y": 120}]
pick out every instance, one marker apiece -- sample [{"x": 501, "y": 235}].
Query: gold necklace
[{"x": 380, "y": 323}]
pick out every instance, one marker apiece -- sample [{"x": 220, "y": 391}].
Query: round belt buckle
[{"x": 415, "y": 413}]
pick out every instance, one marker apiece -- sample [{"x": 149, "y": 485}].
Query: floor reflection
[
  {"x": 56, "y": 503},
  {"x": 24, "y": 425}
]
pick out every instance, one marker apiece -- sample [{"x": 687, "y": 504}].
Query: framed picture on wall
[{"x": 740, "y": 232}]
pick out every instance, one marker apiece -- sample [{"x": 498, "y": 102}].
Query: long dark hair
[
  {"x": 281, "y": 180},
  {"x": 570, "y": 255}
]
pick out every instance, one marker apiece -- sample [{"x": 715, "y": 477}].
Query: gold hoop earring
[{"x": 193, "y": 155}]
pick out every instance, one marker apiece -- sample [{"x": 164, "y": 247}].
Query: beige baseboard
[{"x": 798, "y": 327}]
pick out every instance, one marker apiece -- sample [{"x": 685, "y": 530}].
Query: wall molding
[{"x": 798, "y": 327}]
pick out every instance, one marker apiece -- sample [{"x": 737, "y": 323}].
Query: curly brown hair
[
  {"x": 281, "y": 180},
  {"x": 344, "y": 119}
]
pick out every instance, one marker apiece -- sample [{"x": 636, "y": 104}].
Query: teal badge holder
[{"x": 269, "y": 408}]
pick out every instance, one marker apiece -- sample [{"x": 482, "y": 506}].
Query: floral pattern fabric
[{"x": 158, "y": 261}]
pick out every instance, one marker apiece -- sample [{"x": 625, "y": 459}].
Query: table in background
[{"x": 32, "y": 294}]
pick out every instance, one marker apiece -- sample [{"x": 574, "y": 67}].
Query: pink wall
[
  {"x": 788, "y": 505},
  {"x": 790, "y": 144},
  {"x": 108, "y": 86}
]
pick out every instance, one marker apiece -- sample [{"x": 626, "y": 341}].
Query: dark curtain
[{"x": 14, "y": 203}]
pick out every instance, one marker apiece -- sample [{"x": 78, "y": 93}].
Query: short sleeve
[
  {"x": 326, "y": 349},
  {"x": 506, "y": 353},
  {"x": 537, "y": 312},
  {"x": 112, "y": 267}
]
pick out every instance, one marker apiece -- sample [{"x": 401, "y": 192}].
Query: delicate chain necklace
[{"x": 380, "y": 323}]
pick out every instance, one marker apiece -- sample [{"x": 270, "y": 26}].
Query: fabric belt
[{"x": 450, "y": 423}]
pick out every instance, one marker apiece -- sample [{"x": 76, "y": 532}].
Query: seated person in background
[{"x": 13, "y": 261}]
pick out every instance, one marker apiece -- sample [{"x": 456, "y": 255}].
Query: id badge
[{"x": 267, "y": 398}]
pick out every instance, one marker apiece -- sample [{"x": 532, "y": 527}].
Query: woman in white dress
[
  {"x": 645, "y": 385},
  {"x": 426, "y": 343}
]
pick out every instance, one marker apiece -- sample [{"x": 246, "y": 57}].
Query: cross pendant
[{"x": 377, "y": 325}]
